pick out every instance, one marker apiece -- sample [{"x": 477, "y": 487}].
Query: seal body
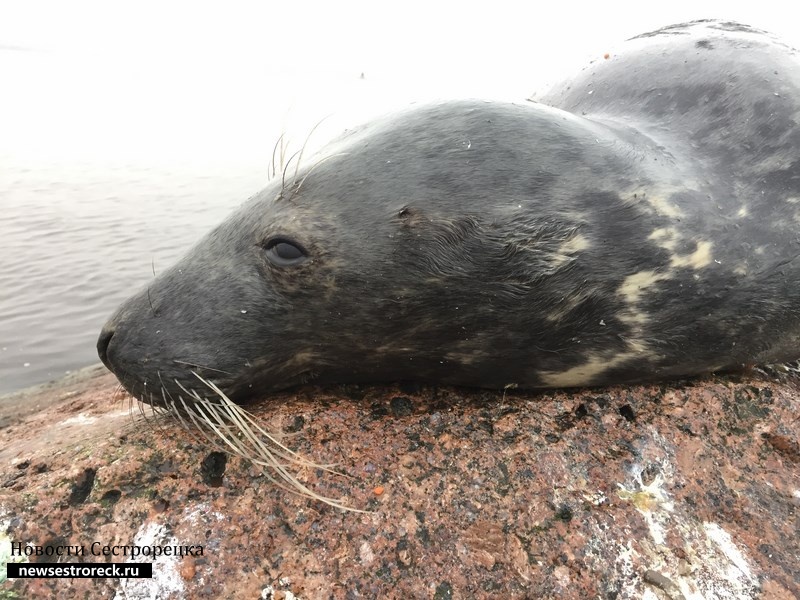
[{"x": 639, "y": 222}]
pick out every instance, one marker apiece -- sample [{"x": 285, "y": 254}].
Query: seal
[{"x": 637, "y": 223}]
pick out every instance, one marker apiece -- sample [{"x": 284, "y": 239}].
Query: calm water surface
[{"x": 77, "y": 239}]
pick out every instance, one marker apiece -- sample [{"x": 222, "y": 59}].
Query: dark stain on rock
[
  {"x": 745, "y": 408},
  {"x": 564, "y": 513},
  {"x": 568, "y": 420},
  {"x": 110, "y": 498},
  {"x": 664, "y": 583},
  {"x": 82, "y": 487},
  {"x": 602, "y": 401},
  {"x": 50, "y": 547},
  {"x": 626, "y": 410},
  {"x": 444, "y": 591},
  {"x": 784, "y": 446},
  {"x": 424, "y": 536},
  {"x": 650, "y": 472},
  {"x": 401, "y": 406},
  {"x": 212, "y": 468},
  {"x": 504, "y": 481},
  {"x": 12, "y": 479},
  {"x": 378, "y": 411},
  {"x": 485, "y": 424},
  {"x": 296, "y": 425}
]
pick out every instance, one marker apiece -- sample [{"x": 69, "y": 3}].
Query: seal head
[{"x": 638, "y": 224}]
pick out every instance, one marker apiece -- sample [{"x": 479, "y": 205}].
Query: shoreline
[{"x": 15, "y": 406}]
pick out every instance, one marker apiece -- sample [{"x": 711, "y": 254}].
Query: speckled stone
[{"x": 674, "y": 491}]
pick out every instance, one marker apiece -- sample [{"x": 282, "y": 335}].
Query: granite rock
[{"x": 683, "y": 490}]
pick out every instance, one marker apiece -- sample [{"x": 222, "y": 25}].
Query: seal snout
[{"x": 102, "y": 344}]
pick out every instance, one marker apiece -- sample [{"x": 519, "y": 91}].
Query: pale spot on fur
[
  {"x": 741, "y": 269},
  {"x": 568, "y": 249},
  {"x": 576, "y": 243},
  {"x": 596, "y": 365},
  {"x": 465, "y": 358},
  {"x": 580, "y": 375},
  {"x": 631, "y": 290},
  {"x": 743, "y": 212},
  {"x": 634, "y": 317},
  {"x": 301, "y": 358},
  {"x": 634, "y": 285},
  {"x": 757, "y": 168},
  {"x": 567, "y": 305},
  {"x": 793, "y": 200},
  {"x": 668, "y": 237},
  {"x": 665, "y": 237},
  {"x": 391, "y": 350},
  {"x": 663, "y": 207},
  {"x": 696, "y": 260}
]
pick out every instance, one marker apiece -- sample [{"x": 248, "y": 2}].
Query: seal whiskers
[
  {"x": 274, "y": 151},
  {"x": 297, "y": 157},
  {"x": 303, "y": 149},
  {"x": 314, "y": 166},
  {"x": 229, "y": 428}
]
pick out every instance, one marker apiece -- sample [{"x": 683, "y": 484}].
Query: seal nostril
[{"x": 102, "y": 345}]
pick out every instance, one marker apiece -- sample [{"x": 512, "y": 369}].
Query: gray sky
[{"x": 163, "y": 81}]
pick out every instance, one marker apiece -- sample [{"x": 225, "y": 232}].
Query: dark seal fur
[{"x": 638, "y": 223}]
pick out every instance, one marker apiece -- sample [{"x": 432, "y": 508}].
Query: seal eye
[{"x": 284, "y": 253}]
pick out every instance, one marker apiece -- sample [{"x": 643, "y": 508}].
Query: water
[
  {"x": 78, "y": 239},
  {"x": 125, "y": 134}
]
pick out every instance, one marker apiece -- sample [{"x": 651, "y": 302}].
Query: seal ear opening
[{"x": 283, "y": 252}]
